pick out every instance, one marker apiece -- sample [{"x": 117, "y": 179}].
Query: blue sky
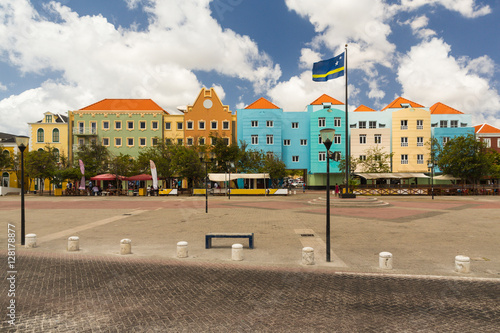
[{"x": 64, "y": 55}]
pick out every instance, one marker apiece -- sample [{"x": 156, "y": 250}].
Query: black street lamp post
[
  {"x": 202, "y": 159},
  {"x": 327, "y": 136},
  {"x": 430, "y": 166},
  {"x": 230, "y": 166},
  {"x": 22, "y": 143}
]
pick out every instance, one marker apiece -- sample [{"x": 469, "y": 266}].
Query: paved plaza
[{"x": 151, "y": 290}]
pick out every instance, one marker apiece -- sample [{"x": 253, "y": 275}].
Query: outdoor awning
[
  {"x": 142, "y": 176},
  {"x": 222, "y": 177},
  {"x": 107, "y": 176},
  {"x": 392, "y": 175},
  {"x": 446, "y": 177}
]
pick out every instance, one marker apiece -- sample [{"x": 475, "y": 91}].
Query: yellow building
[
  {"x": 173, "y": 128},
  {"x": 51, "y": 131},
  {"x": 411, "y": 131},
  {"x": 8, "y": 176}
]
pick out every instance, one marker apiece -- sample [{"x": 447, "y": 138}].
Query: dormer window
[{"x": 405, "y": 105}]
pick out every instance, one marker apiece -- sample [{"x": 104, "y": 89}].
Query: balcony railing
[{"x": 84, "y": 131}]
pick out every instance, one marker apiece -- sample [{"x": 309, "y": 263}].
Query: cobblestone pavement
[{"x": 70, "y": 293}]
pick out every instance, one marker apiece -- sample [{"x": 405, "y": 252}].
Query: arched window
[
  {"x": 40, "y": 135},
  {"x": 55, "y": 135}
]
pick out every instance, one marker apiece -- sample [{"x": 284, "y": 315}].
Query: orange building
[{"x": 208, "y": 117}]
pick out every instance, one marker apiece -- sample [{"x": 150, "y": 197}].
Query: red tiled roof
[
  {"x": 326, "y": 99},
  {"x": 363, "y": 108},
  {"x": 400, "y": 100},
  {"x": 440, "y": 108},
  {"x": 110, "y": 104},
  {"x": 486, "y": 129},
  {"x": 262, "y": 103}
]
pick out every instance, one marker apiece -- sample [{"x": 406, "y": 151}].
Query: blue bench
[{"x": 210, "y": 236}]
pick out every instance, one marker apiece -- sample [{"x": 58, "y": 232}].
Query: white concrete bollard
[
  {"x": 307, "y": 256},
  {"x": 73, "y": 243},
  {"x": 30, "y": 240},
  {"x": 125, "y": 246},
  {"x": 182, "y": 249},
  {"x": 237, "y": 252},
  {"x": 385, "y": 260},
  {"x": 462, "y": 264}
]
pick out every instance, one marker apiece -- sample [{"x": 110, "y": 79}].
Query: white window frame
[
  {"x": 377, "y": 138},
  {"x": 321, "y": 122},
  {"x": 362, "y": 124},
  {"x": 142, "y": 142},
  {"x": 105, "y": 142},
  {"x": 372, "y": 124},
  {"x": 443, "y": 123},
  {"x": 130, "y": 125},
  {"x": 337, "y": 139},
  {"x": 295, "y": 125},
  {"x": 362, "y": 139},
  {"x": 404, "y": 141},
  {"x": 212, "y": 123},
  {"x": 225, "y": 125},
  {"x": 128, "y": 142},
  {"x": 404, "y": 159},
  {"x": 255, "y": 123},
  {"x": 420, "y": 124},
  {"x": 269, "y": 139},
  {"x": 404, "y": 124},
  {"x": 155, "y": 125},
  {"x": 118, "y": 144},
  {"x": 254, "y": 139},
  {"x": 295, "y": 158},
  {"x": 322, "y": 156},
  {"x": 142, "y": 125},
  {"x": 105, "y": 124},
  {"x": 286, "y": 142},
  {"x": 269, "y": 123},
  {"x": 168, "y": 126},
  {"x": 420, "y": 141},
  {"x": 303, "y": 142},
  {"x": 201, "y": 124},
  {"x": 454, "y": 123},
  {"x": 487, "y": 141},
  {"x": 420, "y": 158},
  {"x": 337, "y": 122},
  {"x": 189, "y": 125}
]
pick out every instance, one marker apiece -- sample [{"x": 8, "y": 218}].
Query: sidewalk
[{"x": 424, "y": 235}]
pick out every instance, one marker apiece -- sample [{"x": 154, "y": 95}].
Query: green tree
[
  {"x": 161, "y": 155},
  {"x": 186, "y": 164},
  {"x": 41, "y": 164},
  {"x": 353, "y": 164},
  {"x": 466, "y": 158},
  {"x": 6, "y": 160},
  {"x": 376, "y": 160},
  {"x": 95, "y": 158},
  {"x": 276, "y": 169}
]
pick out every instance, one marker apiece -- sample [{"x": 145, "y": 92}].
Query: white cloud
[
  {"x": 3, "y": 87},
  {"x": 467, "y": 8},
  {"x": 429, "y": 74},
  {"x": 98, "y": 60}
]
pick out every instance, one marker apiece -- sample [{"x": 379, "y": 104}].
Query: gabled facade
[
  {"x": 325, "y": 112},
  {"x": 51, "y": 130},
  {"x": 260, "y": 127},
  {"x": 206, "y": 117},
  {"x": 122, "y": 125},
  {"x": 448, "y": 123},
  {"x": 369, "y": 129},
  {"x": 410, "y": 133},
  {"x": 489, "y": 135}
]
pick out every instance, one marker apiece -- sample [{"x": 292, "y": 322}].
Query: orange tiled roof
[
  {"x": 486, "y": 129},
  {"x": 110, "y": 104},
  {"x": 326, "y": 99},
  {"x": 363, "y": 108},
  {"x": 262, "y": 103},
  {"x": 400, "y": 100},
  {"x": 440, "y": 108}
]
